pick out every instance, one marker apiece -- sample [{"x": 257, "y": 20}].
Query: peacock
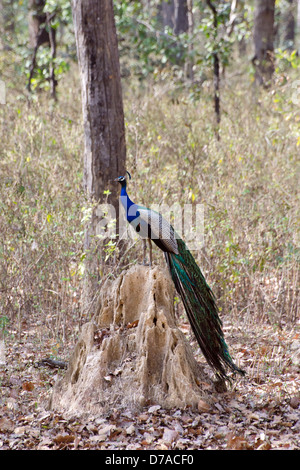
[{"x": 197, "y": 297}]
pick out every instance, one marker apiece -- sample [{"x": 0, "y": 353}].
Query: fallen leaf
[
  {"x": 130, "y": 430},
  {"x": 203, "y": 406},
  {"x": 170, "y": 435},
  {"x": 28, "y": 386},
  {"x": 64, "y": 439},
  {"x": 6, "y": 425},
  {"x": 237, "y": 443},
  {"x": 105, "y": 432},
  {"x": 20, "y": 430},
  {"x": 295, "y": 401},
  {"x": 154, "y": 408}
]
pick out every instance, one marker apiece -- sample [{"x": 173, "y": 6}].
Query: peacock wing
[{"x": 160, "y": 230}]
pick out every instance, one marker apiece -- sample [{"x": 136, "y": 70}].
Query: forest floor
[{"x": 260, "y": 411}]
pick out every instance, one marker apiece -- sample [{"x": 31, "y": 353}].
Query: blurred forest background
[
  {"x": 205, "y": 123},
  {"x": 208, "y": 121}
]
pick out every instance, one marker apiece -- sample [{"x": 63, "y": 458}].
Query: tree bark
[
  {"x": 263, "y": 36},
  {"x": 298, "y": 16},
  {"x": 174, "y": 14},
  {"x": 166, "y": 10},
  {"x": 38, "y": 21},
  {"x": 52, "y": 39},
  {"x": 37, "y": 17},
  {"x": 289, "y": 25},
  {"x": 216, "y": 64},
  {"x": 181, "y": 23},
  {"x": 2, "y": 26},
  {"x": 189, "y": 72},
  {"x": 103, "y": 117}
]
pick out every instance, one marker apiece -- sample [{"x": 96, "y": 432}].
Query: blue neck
[{"x": 127, "y": 203}]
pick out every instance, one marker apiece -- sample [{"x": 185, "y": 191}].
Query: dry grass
[{"x": 41, "y": 201}]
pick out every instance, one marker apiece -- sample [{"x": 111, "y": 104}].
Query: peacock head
[{"x": 122, "y": 179}]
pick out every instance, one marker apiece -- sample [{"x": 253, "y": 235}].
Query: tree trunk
[
  {"x": 189, "y": 72},
  {"x": 216, "y": 64},
  {"x": 263, "y": 36},
  {"x": 174, "y": 14},
  {"x": 181, "y": 23},
  {"x": 289, "y": 25},
  {"x": 37, "y": 17},
  {"x": 52, "y": 39},
  {"x": 298, "y": 17},
  {"x": 37, "y": 24},
  {"x": 103, "y": 117},
  {"x": 1, "y": 25},
  {"x": 166, "y": 10}
]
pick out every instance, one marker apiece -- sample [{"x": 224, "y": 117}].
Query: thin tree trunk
[
  {"x": 263, "y": 36},
  {"x": 174, "y": 13},
  {"x": 52, "y": 38},
  {"x": 298, "y": 17},
  {"x": 289, "y": 25},
  {"x": 38, "y": 42},
  {"x": 33, "y": 60},
  {"x": 103, "y": 117},
  {"x": 37, "y": 17},
  {"x": 189, "y": 73},
  {"x": 216, "y": 64},
  {"x": 2, "y": 25},
  {"x": 181, "y": 24},
  {"x": 166, "y": 11}
]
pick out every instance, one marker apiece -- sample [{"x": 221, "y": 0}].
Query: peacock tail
[{"x": 201, "y": 309}]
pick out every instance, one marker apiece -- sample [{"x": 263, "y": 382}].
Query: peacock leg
[
  {"x": 144, "y": 251},
  {"x": 150, "y": 252}
]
